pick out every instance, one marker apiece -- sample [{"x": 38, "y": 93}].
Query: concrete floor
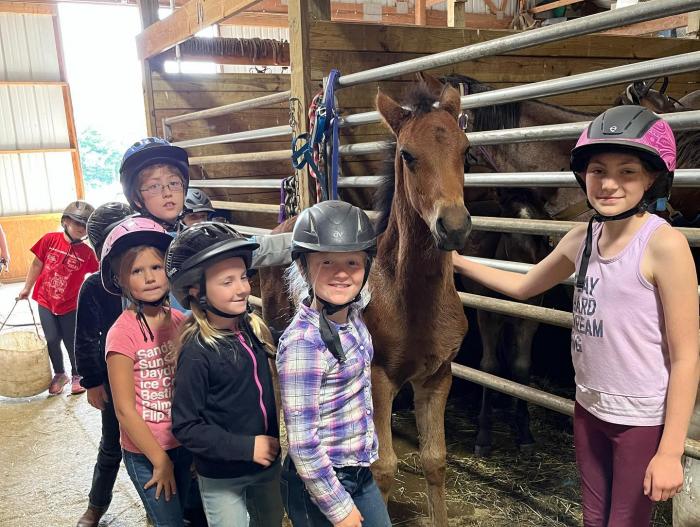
[{"x": 47, "y": 454}]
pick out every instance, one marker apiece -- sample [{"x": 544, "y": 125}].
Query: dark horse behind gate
[
  {"x": 509, "y": 352},
  {"x": 415, "y": 316}
]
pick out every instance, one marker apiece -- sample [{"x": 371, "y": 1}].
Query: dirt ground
[{"x": 48, "y": 447}]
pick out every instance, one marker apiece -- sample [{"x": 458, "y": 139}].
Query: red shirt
[{"x": 65, "y": 267}]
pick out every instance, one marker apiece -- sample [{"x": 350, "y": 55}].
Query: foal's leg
[
  {"x": 490, "y": 329},
  {"x": 524, "y": 333},
  {"x": 383, "y": 393},
  {"x": 430, "y": 397}
]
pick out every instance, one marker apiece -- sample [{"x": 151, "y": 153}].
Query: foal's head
[{"x": 429, "y": 164}]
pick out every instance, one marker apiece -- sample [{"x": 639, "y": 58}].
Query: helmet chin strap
[
  {"x": 588, "y": 248},
  {"x": 141, "y": 317}
]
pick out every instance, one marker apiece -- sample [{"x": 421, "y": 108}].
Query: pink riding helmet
[
  {"x": 131, "y": 232},
  {"x": 630, "y": 128}
]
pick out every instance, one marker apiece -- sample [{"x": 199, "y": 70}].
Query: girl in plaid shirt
[{"x": 324, "y": 360}]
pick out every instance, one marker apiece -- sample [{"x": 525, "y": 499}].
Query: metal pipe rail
[
  {"x": 550, "y": 227},
  {"x": 582, "y": 26},
  {"x": 250, "y": 157},
  {"x": 535, "y": 396},
  {"x": 244, "y": 206},
  {"x": 550, "y": 132},
  {"x": 237, "y": 137},
  {"x": 230, "y": 108},
  {"x": 573, "y": 83},
  {"x": 236, "y": 183},
  {"x": 685, "y": 177}
]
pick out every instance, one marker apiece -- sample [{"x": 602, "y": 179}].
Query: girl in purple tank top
[{"x": 634, "y": 341}]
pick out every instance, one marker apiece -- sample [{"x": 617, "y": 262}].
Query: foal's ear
[
  {"x": 450, "y": 101},
  {"x": 433, "y": 84},
  {"x": 392, "y": 113}
]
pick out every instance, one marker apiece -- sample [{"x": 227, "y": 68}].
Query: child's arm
[
  {"x": 274, "y": 250},
  {"x": 555, "y": 268},
  {"x": 89, "y": 351},
  {"x": 32, "y": 276},
  {"x": 121, "y": 379},
  {"x": 209, "y": 440},
  {"x": 4, "y": 250},
  {"x": 301, "y": 367},
  {"x": 674, "y": 272}
]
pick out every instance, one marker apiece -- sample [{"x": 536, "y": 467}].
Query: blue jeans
[
  {"x": 230, "y": 502},
  {"x": 359, "y": 483},
  {"x": 162, "y": 513}
]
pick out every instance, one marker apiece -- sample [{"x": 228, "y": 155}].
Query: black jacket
[
  {"x": 217, "y": 409},
  {"x": 97, "y": 311}
]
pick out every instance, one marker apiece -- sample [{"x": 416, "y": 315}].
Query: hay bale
[{"x": 24, "y": 364}]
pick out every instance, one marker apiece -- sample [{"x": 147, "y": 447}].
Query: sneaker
[
  {"x": 57, "y": 383},
  {"x": 75, "y": 387}
]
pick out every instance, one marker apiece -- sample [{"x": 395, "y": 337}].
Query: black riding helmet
[
  {"x": 336, "y": 227},
  {"x": 148, "y": 152},
  {"x": 103, "y": 220},
  {"x": 197, "y": 248}
]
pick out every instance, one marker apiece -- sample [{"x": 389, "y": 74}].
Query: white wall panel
[{"x": 28, "y": 48}]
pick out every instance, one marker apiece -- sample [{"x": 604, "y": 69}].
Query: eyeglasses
[{"x": 158, "y": 188}]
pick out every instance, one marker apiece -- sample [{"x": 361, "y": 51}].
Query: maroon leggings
[{"x": 612, "y": 460}]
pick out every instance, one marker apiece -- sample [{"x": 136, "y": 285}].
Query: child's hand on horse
[
  {"x": 163, "y": 478},
  {"x": 354, "y": 519},
  {"x": 266, "y": 450},
  {"x": 664, "y": 477}
]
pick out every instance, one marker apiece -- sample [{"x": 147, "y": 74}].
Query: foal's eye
[{"x": 407, "y": 157}]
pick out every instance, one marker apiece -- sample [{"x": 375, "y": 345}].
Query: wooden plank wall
[
  {"x": 22, "y": 233},
  {"x": 352, "y": 47},
  {"x": 179, "y": 94}
]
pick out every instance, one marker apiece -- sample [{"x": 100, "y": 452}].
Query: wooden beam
[
  {"x": 148, "y": 12},
  {"x": 553, "y": 5},
  {"x": 229, "y": 60},
  {"x": 341, "y": 12},
  {"x": 27, "y": 8},
  {"x": 421, "y": 16},
  {"x": 194, "y": 16},
  {"x": 455, "y": 13},
  {"x": 652, "y": 26},
  {"x": 302, "y": 15},
  {"x": 33, "y": 83},
  {"x": 36, "y": 151}
]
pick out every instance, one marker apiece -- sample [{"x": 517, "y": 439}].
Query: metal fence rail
[
  {"x": 227, "y": 109},
  {"x": 687, "y": 177},
  {"x": 582, "y": 26}
]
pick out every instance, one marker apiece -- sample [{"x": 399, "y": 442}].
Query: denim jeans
[
  {"x": 163, "y": 513},
  {"x": 109, "y": 457},
  {"x": 357, "y": 481},
  {"x": 230, "y": 502}
]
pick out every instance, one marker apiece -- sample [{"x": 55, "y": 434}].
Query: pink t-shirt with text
[{"x": 153, "y": 377}]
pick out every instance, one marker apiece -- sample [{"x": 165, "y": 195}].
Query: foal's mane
[{"x": 421, "y": 100}]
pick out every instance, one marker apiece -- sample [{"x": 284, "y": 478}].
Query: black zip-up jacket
[
  {"x": 97, "y": 311},
  {"x": 222, "y": 399}
]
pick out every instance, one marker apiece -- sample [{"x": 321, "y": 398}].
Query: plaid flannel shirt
[{"x": 327, "y": 406}]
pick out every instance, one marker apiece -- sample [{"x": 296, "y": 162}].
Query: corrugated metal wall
[
  {"x": 32, "y": 117},
  {"x": 28, "y": 48}
]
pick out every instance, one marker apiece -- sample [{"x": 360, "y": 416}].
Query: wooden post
[
  {"x": 302, "y": 14},
  {"x": 68, "y": 107},
  {"x": 455, "y": 13},
  {"x": 421, "y": 15},
  {"x": 693, "y": 29},
  {"x": 148, "y": 10}
]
